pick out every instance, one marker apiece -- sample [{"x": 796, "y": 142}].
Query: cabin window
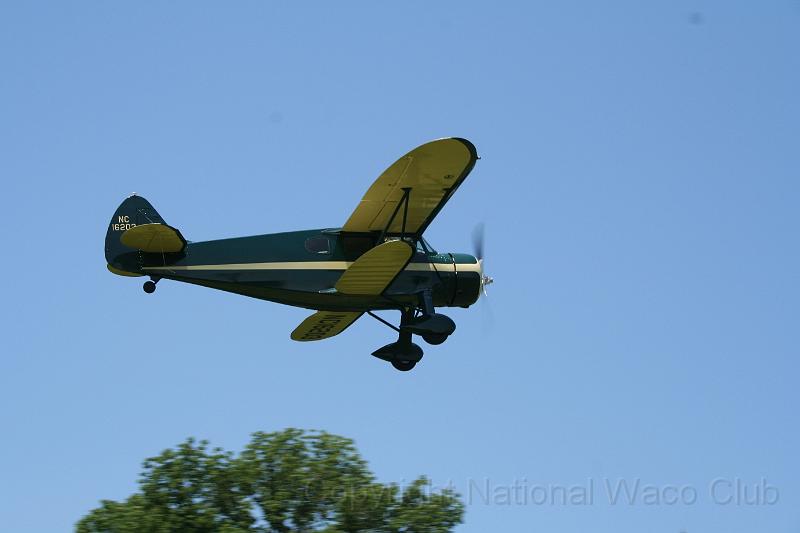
[
  {"x": 318, "y": 245},
  {"x": 354, "y": 246}
]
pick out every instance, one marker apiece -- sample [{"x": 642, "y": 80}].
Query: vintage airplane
[{"x": 377, "y": 261}]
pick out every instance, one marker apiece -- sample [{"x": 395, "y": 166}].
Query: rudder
[{"x": 133, "y": 211}]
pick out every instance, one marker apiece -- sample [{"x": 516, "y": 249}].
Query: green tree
[{"x": 288, "y": 481}]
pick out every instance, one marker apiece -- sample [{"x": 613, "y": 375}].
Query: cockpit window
[{"x": 318, "y": 245}]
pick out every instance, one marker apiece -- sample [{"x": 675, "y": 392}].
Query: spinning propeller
[{"x": 477, "y": 246}]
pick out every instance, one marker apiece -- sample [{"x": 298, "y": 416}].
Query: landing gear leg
[
  {"x": 403, "y": 354},
  {"x": 426, "y": 299},
  {"x": 426, "y": 304},
  {"x": 150, "y": 286},
  {"x": 433, "y": 327}
]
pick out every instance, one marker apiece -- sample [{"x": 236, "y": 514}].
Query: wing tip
[
  {"x": 471, "y": 147},
  {"x": 473, "y": 151}
]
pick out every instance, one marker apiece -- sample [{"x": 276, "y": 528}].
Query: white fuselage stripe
[{"x": 320, "y": 265}]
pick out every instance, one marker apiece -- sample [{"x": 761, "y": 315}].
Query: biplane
[{"x": 378, "y": 260}]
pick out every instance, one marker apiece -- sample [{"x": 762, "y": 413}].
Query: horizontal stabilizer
[
  {"x": 371, "y": 273},
  {"x": 324, "y": 324},
  {"x": 120, "y": 272},
  {"x": 154, "y": 238}
]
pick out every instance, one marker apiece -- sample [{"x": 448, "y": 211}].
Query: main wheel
[
  {"x": 434, "y": 338},
  {"x": 149, "y": 287},
  {"x": 404, "y": 366}
]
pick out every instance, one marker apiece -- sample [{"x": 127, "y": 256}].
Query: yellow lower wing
[
  {"x": 371, "y": 273},
  {"x": 155, "y": 238},
  {"x": 324, "y": 324}
]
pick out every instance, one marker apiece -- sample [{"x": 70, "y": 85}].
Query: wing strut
[{"x": 403, "y": 202}]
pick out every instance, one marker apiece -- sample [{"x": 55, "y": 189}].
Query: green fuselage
[{"x": 300, "y": 268}]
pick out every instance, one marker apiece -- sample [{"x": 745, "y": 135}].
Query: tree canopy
[{"x": 287, "y": 481}]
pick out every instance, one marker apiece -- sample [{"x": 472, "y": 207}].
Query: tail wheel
[
  {"x": 149, "y": 287},
  {"x": 404, "y": 366},
  {"x": 434, "y": 338}
]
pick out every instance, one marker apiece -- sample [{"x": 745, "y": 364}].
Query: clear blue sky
[{"x": 639, "y": 182}]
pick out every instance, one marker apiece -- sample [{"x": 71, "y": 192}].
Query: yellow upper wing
[{"x": 432, "y": 172}]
